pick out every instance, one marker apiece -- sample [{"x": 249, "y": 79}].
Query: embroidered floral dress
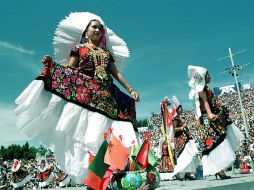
[
  {"x": 84, "y": 87},
  {"x": 181, "y": 137},
  {"x": 211, "y": 134},
  {"x": 70, "y": 109}
]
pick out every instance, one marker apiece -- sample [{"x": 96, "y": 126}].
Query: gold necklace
[{"x": 100, "y": 71}]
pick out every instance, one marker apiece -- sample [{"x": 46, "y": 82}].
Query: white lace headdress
[
  {"x": 175, "y": 102},
  {"x": 69, "y": 32},
  {"x": 196, "y": 76}
]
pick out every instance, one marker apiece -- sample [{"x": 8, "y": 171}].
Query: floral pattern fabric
[
  {"x": 181, "y": 137},
  {"x": 209, "y": 134},
  {"x": 82, "y": 87}
]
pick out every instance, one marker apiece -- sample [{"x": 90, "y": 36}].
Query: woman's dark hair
[
  {"x": 180, "y": 106},
  {"x": 84, "y": 33}
]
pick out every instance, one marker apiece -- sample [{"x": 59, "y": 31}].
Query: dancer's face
[
  {"x": 207, "y": 78},
  {"x": 179, "y": 110},
  {"x": 94, "y": 31}
]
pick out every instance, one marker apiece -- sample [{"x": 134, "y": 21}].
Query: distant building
[
  {"x": 246, "y": 86},
  {"x": 220, "y": 90}
]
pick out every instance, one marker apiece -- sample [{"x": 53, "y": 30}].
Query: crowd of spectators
[{"x": 31, "y": 166}]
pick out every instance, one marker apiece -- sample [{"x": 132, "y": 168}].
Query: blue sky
[{"x": 164, "y": 37}]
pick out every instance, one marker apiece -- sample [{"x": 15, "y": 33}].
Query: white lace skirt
[
  {"x": 68, "y": 129},
  {"x": 223, "y": 155}
]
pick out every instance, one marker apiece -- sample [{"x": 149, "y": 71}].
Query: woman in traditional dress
[
  {"x": 185, "y": 148},
  {"x": 74, "y": 102},
  {"x": 182, "y": 138},
  {"x": 165, "y": 162},
  {"x": 44, "y": 174},
  {"x": 20, "y": 175},
  {"x": 216, "y": 136}
]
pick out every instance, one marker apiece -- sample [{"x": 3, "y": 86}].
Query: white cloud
[
  {"x": 9, "y": 133},
  {"x": 17, "y": 48}
]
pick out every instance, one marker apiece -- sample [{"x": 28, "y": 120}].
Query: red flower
[
  {"x": 83, "y": 51},
  {"x": 182, "y": 141},
  {"x": 79, "y": 81},
  {"x": 83, "y": 94},
  {"x": 209, "y": 141},
  {"x": 92, "y": 84},
  {"x": 121, "y": 115}
]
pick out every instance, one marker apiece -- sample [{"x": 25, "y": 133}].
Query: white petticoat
[
  {"x": 46, "y": 182},
  {"x": 223, "y": 155},
  {"x": 186, "y": 162},
  {"x": 21, "y": 183},
  {"x": 70, "y": 130},
  {"x": 218, "y": 159}
]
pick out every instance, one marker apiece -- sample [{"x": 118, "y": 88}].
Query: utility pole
[{"x": 233, "y": 71}]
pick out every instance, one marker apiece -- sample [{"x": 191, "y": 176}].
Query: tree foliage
[
  {"x": 142, "y": 123},
  {"x": 15, "y": 151}
]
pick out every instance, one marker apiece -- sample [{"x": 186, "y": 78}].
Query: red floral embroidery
[
  {"x": 80, "y": 87},
  {"x": 92, "y": 84},
  {"x": 209, "y": 141},
  {"x": 79, "y": 81},
  {"x": 83, "y": 94},
  {"x": 222, "y": 128},
  {"x": 83, "y": 51},
  {"x": 121, "y": 115}
]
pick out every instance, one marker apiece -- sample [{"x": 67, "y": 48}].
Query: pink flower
[
  {"x": 83, "y": 94},
  {"x": 73, "y": 78},
  {"x": 54, "y": 84},
  {"x": 67, "y": 93},
  {"x": 66, "y": 81},
  {"x": 79, "y": 81},
  {"x": 68, "y": 71},
  {"x": 210, "y": 130},
  {"x": 57, "y": 73}
]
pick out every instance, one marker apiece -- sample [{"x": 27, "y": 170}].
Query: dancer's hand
[
  {"x": 135, "y": 96},
  {"x": 212, "y": 117},
  {"x": 46, "y": 59}
]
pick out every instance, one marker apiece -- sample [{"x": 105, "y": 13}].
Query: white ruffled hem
[
  {"x": 70, "y": 130},
  {"x": 23, "y": 182},
  {"x": 64, "y": 182},
  {"x": 186, "y": 162},
  {"x": 45, "y": 183},
  {"x": 223, "y": 155}
]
